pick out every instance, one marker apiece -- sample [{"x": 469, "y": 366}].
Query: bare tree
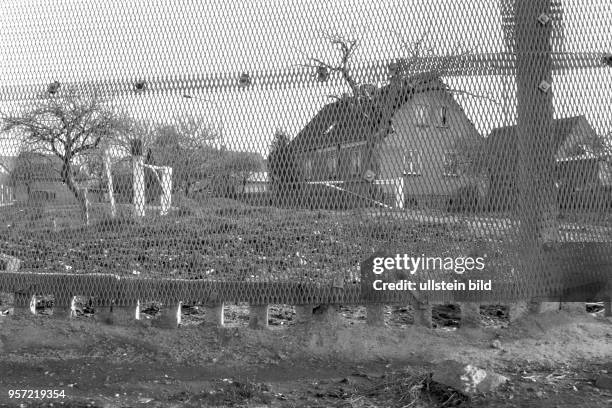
[
  {"x": 347, "y": 48},
  {"x": 420, "y": 68},
  {"x": 188, "y": 147},
  {"x": 69, "y": 125}
]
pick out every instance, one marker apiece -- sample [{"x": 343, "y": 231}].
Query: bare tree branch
[{"x": 67, "y": 125}]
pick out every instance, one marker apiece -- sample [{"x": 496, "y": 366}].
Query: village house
[
  {"x": 415, "y": 159},
  {"x": 36, "y": 178},
  {"x": 7, "y": 192},
  {"x": 579, "y": 166}
]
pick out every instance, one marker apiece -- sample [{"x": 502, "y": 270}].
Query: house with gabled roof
[
  {"x": 578, "y": 163},
  {"x": 7, "y": 192},
  {"x": 37, "y": 177},
  {"x": 414, "y": 158}
]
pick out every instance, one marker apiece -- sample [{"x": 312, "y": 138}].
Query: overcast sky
[{"x": 75, "y": 40}]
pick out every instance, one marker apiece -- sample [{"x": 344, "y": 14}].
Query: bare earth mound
[{"x": 552, "y": 359}]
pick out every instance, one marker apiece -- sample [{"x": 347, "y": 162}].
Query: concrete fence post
[
  {"x": 326, "y": 314},
  {"x": 422, "y": 315},
  {"x": 375, "y": 315},
  {"x": 470, "y": 314},
  {"x": 517, "y": 310},
  {"x": 119, "y": 315},
  {"x": 303, "y": 313},
  {"x": 24, "y": 304},
  {"x": 213, "y": 314},
  {"x": 574, "y": 307},
  {"x": 169, "y": 318},
  {"x": 63, "y": 307},
  {"x": 258, "y": 316}
]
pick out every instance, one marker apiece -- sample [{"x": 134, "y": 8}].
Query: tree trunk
[{"x": 79, "y": 194}]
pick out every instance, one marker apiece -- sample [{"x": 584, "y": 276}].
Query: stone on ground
[{"x": 467, "y": 378}]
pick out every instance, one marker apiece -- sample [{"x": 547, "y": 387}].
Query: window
[
  {"x": 355, "y": 156},
  {"x": 308, "y": 169},
  {"x": 442, "y": 116},
  {"x": 421, "y": 114},
  {"x": 451, "y": 164},
  {"x": 412, "y": 162},
  {"x": 332, "y": 165}
]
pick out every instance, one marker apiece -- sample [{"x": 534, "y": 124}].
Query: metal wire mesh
[{"x": 261, "y": 152}]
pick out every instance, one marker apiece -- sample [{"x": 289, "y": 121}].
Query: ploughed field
[{"x": 223, "y": 239}]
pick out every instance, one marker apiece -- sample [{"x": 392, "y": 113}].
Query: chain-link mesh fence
[{"x": 261, "y": 151}]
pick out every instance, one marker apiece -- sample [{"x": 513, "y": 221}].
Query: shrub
[
  {"x": 120, "y": 222},
  {"x": 465, "y": 199},
  {"x": 123, "y": 187}
]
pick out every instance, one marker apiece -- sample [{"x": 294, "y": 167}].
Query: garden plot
[{"x": 218, "y": 242}]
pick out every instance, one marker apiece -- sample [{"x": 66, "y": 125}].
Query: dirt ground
[{"x": 552, "y": 360}]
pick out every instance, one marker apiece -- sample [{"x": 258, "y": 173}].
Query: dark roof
[
  {"x": 350, "y": 119},
  {"x": 7, "y": 163},
  {"x": 503, "y": 141},
  {"x": 40, "y": 167}
]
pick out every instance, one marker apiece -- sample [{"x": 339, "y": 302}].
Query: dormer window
[
  {"x": 421, "y": 114},
  {"x": 451, "y": 164},
  {"x": 442, "y": 116},
  {"x": 412, "y": 162}
]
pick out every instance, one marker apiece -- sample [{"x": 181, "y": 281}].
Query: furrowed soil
[{"x": 551, "y": 359}]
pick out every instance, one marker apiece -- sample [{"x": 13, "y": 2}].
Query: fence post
[
  {"x": 63, "y": 307},
  {"x": 303, "y": 313},
  {"x": 109, "y": 176},
  {"x": 258, "y": 316},
  {"x": 608, "y": 308},
  {"x": 166, "y": 196},
  {"x": 470, "y": 314},
  {"x": 422, "y": 315},
  {"x": 574, "y": 307},
  {"x": 213, "y": 314},
  {"x": 375, "y": 314},
  {"x": 138, "y": 179},
  {"x": 138, "y": 185},
  {"x": 326, "y": 314},
  {"x": 24, "y": 304},
  {"x": 170, "y": 317},
  {"x": 517, "y": 309}
]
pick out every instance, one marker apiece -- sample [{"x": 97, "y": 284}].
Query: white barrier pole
[
  {"x": 138, "y": 185},
  {"x": 109, "y": 176},
  {"x": 166, "y": 182},
  {"x": 399, "y": 193}
]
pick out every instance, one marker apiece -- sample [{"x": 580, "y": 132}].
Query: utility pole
[
  {"x": 537, "y": 204},
  {"x": 537, "y": 201}
]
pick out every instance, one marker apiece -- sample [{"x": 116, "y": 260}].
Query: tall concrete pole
[
  {"x": 537, "y": 206},
  {"x": 537, "y": 201}
]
